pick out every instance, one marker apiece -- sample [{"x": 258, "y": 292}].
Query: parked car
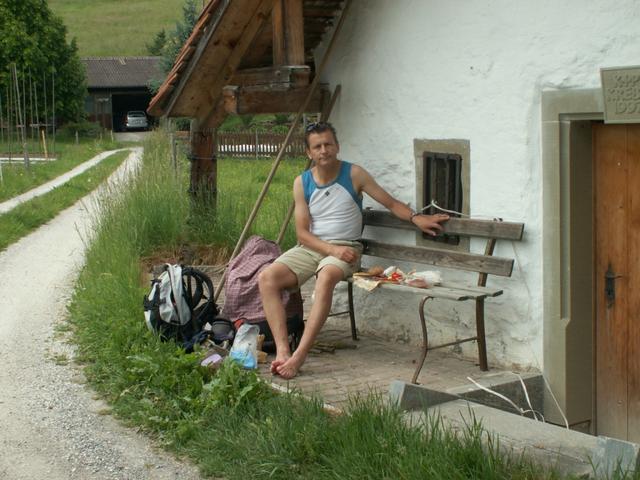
[{"x": 136, "y": 120}]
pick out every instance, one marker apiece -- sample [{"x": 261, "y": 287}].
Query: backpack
[
  {"x": 179, "y": 304},
  {"x": 242, "y": 295}
]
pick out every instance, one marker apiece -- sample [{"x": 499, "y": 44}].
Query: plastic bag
[{"x": 245, "y": 346}]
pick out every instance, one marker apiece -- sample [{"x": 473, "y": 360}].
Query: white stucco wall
[{"x": 471, "y": 70}]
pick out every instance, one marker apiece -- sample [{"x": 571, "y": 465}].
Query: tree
[
  {"x": 157, "y": 44},
  {"x": 177, "y": 38},
  {"x": 34, "y": 39}
]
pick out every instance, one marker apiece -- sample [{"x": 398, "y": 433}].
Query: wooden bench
[{"x": 484, "y": 264}]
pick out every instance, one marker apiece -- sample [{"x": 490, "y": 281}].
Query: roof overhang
[{"x": 233, "y": 60}]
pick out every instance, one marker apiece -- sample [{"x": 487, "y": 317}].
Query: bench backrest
[{"x": 484, "y": 264}]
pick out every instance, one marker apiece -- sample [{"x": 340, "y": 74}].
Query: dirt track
[{"x": 51, "y": 426}]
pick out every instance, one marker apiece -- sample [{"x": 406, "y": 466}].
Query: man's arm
[
  {"x": 304, "y": 235},
  {"x": 364, "y": 182}
]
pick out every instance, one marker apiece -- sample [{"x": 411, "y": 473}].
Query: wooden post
[
  {"x": 77, "y": 139},
  {"x": 44, "y": 145},
  {"x": 21, "y": 119},
  {"x": 174, "y": 152},
  {"x": 204, "y": 164},
  {"x": 288, "y": 32}
]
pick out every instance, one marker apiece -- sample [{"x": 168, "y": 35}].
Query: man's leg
[
  {"x": 271, "y": 281},
  {"x": 326, "y": 281}
]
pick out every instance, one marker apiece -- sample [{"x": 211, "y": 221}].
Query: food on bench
[
  {"x": 432, "y": 277},
  {"x": 375, "y": 271},
  {"x": 394, "y": 274},
  {"x": 417, "y": 282}
]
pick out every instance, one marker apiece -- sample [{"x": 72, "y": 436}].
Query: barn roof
[
  {"x": 231, "y": 44},
  {"x": 121, "y": 72}
]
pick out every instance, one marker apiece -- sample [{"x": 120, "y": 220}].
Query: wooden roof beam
[
  {"x": 262, "y": 99},
  {"x": 290, "y": 76},
  {"x": 288, "y": 32},
  {"x": 253, "y": 27}
]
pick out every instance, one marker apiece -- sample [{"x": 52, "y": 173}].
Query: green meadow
[{"x": 116, "y": 27}]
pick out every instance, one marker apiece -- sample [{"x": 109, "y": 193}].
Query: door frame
[{"x": 568, "y": 329}]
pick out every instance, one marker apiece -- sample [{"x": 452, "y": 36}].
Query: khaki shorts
[{"x": 305, "y": 262}]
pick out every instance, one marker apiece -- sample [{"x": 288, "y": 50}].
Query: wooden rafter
[{"x": 269, "y": 99}]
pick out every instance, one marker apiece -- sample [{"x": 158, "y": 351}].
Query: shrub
[{"x": 84, "y": 129}]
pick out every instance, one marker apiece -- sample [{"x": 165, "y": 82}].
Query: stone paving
[
  {"x": 367, "y": 365},
  {"x": 370, "y": 365}
]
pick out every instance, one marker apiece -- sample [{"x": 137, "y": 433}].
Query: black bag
[
  {"x": 295, "y": 328},
  {"x": 179, "y": 304}
]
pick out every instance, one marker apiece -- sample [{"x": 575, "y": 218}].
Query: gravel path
[
  {"x": 51, "y": 425},
  {"x": 56, "y": 182}
]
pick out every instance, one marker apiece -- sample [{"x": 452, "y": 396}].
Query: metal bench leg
[
  {"x": 482, "y": 343},
  {"x": 425, "y": 341},
  {"x": 352, "y": 314}
]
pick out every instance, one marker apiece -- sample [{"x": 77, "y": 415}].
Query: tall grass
[
  {"x": 231, "y": 423},
  {"x": 240, "y": 182}
]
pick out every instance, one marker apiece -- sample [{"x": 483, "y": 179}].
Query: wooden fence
[{"x": 253, "y": 144}]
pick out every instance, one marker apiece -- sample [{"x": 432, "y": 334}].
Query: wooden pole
[
  {"x": 174, "y": 152},
  {"x": 44, "y": 144},
  {"x": 31, "y": 105},
  {"x": 1, "y": 138},
  {"x": 276, "y": 163},
  {"x": 53, "y": 108},
  {"x": 9, "y": 132},
  {"x": 1, "y": 123},
  {"x": 27, "y": 163},
  {"x": 44, "y": 89},
  {"x": 24, "y": 105}
]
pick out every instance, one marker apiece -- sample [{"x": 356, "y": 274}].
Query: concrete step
[{"x": 567, "y": 451}]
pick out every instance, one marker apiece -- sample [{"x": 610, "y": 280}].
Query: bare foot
[
  {"x": 289, "y": 369},
  {"x": 278, "y": 362}
]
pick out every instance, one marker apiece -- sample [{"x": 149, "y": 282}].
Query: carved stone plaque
[{"x": 621, "y": 93}]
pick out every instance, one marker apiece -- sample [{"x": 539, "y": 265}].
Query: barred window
[{"x": 443, "y": 184}]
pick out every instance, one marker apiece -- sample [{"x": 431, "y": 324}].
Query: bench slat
[
  {"x": 455, "y": 226},
  {"x": 449, "y": 292},
  {"x": 435, "y": 292},
  {"x": 486, "y": 291},
  {"x": 441, "y": 258}
]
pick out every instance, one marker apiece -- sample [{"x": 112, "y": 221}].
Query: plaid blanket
[{"x": 242, "y": 296}]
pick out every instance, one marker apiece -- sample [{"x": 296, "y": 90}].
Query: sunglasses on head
[{"x": 316, "y": 126}]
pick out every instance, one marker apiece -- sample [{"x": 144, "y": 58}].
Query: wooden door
[{"x": 616, "y": 156}]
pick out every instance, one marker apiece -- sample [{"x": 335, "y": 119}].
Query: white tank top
[{"x": 335, "y": 208}]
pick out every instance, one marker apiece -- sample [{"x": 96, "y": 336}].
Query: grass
[
  {"x": 29, "y": 215},
  {"x": 116, "y": 27},
  {"x": 231, "y": 423},
  {"x": 18, "y": 179}
]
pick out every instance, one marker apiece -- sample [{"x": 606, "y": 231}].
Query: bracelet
[{"x": 414, "y": 214}]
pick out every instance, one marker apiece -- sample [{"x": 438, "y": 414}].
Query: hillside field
[{"x": 116, "y": 27}]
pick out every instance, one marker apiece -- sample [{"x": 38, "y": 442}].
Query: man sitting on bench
[{"x": 328, "y": 220}]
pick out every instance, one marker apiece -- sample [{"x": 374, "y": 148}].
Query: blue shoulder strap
[
  {"x": 344, "y": 179},
  {"x": 308, "y": 185}
]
